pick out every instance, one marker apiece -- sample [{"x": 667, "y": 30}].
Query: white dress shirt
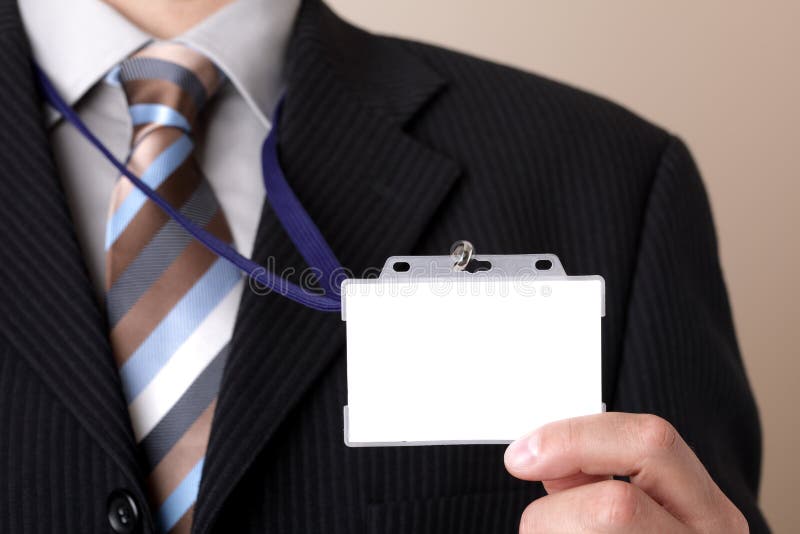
[{"x": 78, "y": 42}]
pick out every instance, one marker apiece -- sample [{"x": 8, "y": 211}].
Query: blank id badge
[{"x": 469, "y": 349}]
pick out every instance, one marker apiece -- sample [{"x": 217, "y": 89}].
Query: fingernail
[{"x": 523, "y": 452}]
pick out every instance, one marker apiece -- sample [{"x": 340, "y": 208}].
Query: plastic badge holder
[{"x": 438, "y": 355}]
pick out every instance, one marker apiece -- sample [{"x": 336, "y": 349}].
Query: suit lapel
[
  {"x": 370, "y": 187},
  {"x": 48, "y": 313}
]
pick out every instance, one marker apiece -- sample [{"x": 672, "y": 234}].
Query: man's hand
[{"x": 669, "y": 490}]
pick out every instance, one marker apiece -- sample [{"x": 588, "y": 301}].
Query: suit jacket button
[{"x": 123, "y": 514}]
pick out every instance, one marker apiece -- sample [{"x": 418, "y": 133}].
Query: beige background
[{"x": 725, "y": 76}]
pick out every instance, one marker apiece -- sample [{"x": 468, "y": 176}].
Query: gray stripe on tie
[
  {"x": 185, "y": 412},
  {"x": 168, "y": 243},
  {"x": 148, "y": 68}
]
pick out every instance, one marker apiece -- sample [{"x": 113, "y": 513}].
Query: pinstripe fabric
[
  {"x": 394, "y": 148},
  {"x": 171, "y": 395}
]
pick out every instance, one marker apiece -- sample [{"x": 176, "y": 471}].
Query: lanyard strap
[{"x": 294, "y": 218}]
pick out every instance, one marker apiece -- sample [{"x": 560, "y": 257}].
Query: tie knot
[{"x": 167, "y": 84}]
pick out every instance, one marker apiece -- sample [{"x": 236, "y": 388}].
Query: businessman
[{"x": 144, "y": 387}]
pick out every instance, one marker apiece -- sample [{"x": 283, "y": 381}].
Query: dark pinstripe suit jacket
[{"x": 394, "y": 147}]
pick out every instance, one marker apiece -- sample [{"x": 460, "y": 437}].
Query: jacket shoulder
[{"x": 526, "y": 107}]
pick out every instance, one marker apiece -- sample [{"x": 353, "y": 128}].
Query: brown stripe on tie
[
  {"x": 181, "y": 459},
  {"x": 140, "y": 131},
  {"x": 165, "y": 293},
  {"x": 150, "y": 218},
  {"x": 162, "y": 92},
  {"x": 184, "y": 524},
  {"x": 121, "y": 191},
  {"x": 147, "y": 149}
]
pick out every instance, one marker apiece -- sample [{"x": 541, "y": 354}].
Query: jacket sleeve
[{"x": 680, "y": 359}]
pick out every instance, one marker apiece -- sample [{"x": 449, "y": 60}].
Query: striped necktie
[{"x": 171, "y": 302}]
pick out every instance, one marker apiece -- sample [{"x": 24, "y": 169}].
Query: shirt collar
[
  {"x": 247, "y": 40},
  {"x": 77, "y": 42}
]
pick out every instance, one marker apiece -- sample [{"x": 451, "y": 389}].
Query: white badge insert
[{"x": 441, "y": 356}]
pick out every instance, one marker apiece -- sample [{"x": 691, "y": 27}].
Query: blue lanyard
[{"x": 290, "y": 212}]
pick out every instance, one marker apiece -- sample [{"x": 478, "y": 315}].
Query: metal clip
[{"x": 461, "y": 253}]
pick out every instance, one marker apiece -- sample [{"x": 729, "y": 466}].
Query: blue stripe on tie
[
  {"x": 181, "y": 499},
  {"x": 158, "y": 171},
  {"x": 180, "y": 322},
  {"x": 158, "y": 114}
]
